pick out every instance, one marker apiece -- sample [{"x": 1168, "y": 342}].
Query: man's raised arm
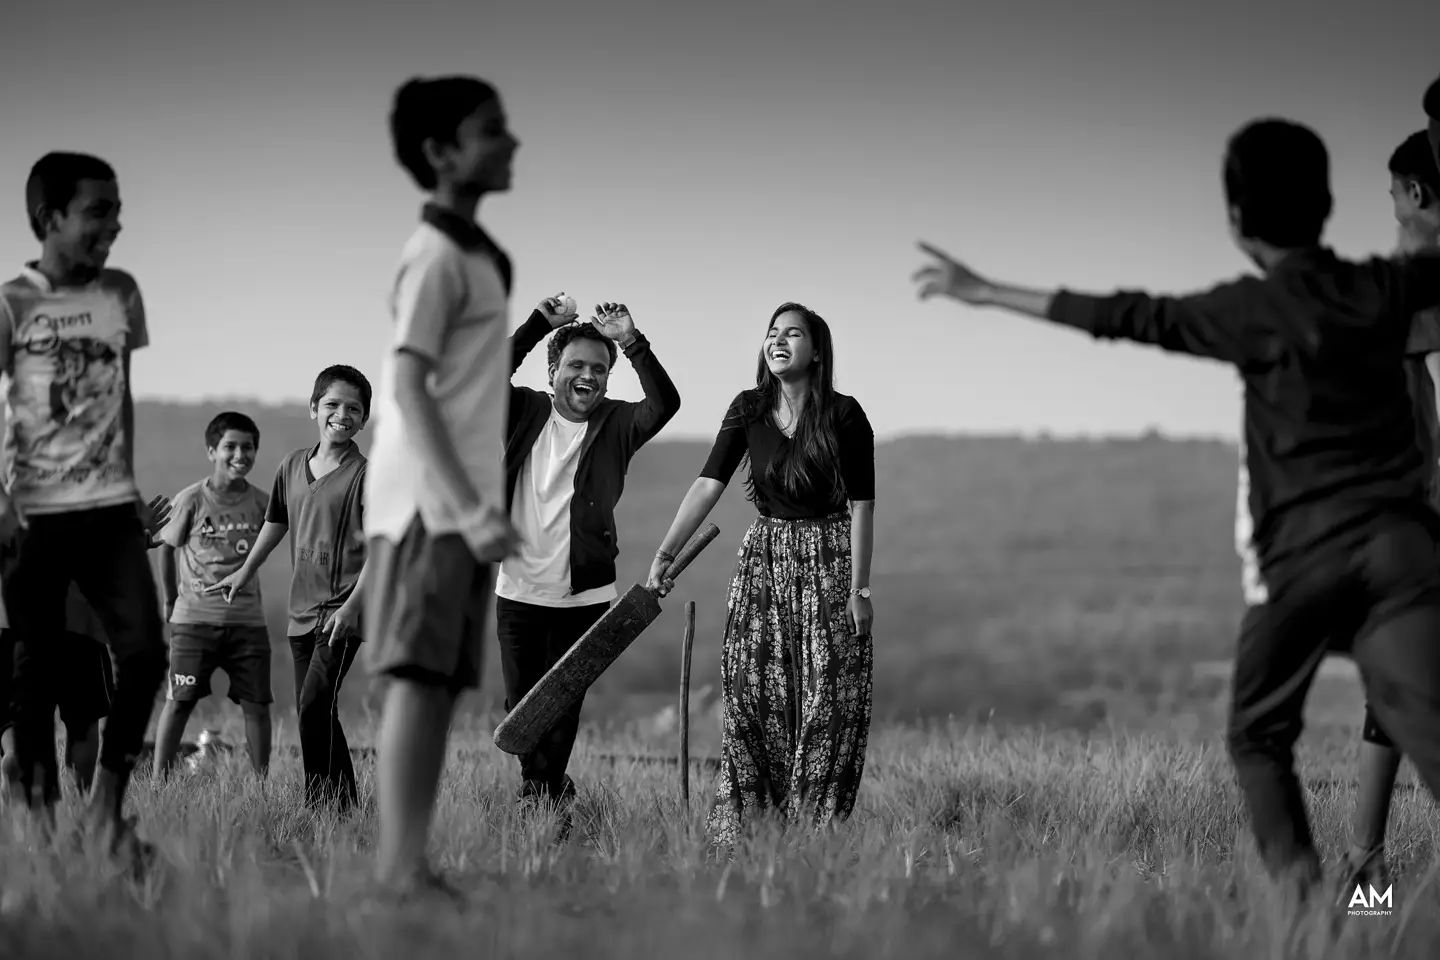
[
  {"x": 662, "y": 400},
  {"x": 546, "y": 317}
]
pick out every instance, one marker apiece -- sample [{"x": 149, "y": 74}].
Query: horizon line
[{"x": 1032, "y": 434}]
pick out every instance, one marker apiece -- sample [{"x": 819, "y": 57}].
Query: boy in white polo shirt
[
  {"x": 434, "y": 495},
  {"x": 68, "y": 326}
]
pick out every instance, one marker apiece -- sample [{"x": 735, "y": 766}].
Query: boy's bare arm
[
  {"x": 168, "y": 585},
  {"x": 270, "y": 537}
]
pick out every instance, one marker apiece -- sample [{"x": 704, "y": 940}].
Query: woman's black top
[{"x": 758, "y": 435}]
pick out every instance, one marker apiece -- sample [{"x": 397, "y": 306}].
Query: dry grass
[{"x": 967, "y": 842}]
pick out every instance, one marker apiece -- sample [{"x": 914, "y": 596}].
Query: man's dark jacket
[{"x": 617, "y": 429}]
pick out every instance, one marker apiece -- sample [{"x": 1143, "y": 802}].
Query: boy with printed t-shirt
[
  {"x": 215, "y": 523},
  {"x": 436, "y": 491},
  {"x": 68, "y": 326},
  {"x": 317, "y": 498}
]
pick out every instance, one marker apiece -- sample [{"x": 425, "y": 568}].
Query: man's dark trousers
[{"x": 532, "y": 638}]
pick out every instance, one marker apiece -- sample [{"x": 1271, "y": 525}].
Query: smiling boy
[
  {"x": 68, "y": 327},
  {"x": 214, "y": 524},
  {"x": 317, "y": 498}
]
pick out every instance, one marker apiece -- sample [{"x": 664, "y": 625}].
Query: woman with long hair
[{"x": 797, "y": 660}]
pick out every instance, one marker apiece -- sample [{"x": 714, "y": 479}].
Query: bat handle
[{"x": 692, "y": 549}]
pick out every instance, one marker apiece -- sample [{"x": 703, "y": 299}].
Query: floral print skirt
[{"x": 796, "y": 683}]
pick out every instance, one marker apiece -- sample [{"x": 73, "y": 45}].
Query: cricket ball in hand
[{"x": 566, "y": 302}]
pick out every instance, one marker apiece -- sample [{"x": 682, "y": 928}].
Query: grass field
[
  {"x": 967, "y": 842},
  {"x": 1045, "y": 777}
]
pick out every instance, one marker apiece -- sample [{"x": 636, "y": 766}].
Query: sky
[{"x": 705, "y": 163}]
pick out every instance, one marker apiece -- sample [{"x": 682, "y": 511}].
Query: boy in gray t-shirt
[
  {"x": 317, "y": 499},
  {"x": 214, "y": 523}
]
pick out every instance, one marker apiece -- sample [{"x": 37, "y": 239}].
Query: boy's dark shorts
[
  {"x": 197, "y": 650},
  {"x": 82, "y": 694},
  {"x": 426, "y": 599}
]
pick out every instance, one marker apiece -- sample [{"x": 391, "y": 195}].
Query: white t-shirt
[
  {"x": 540, "y": 573},
  {"x": 449, "y": 306},
  {"x": 64, "y": 353}
]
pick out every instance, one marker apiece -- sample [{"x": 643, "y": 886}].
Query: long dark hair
[{"x": 809, "y": 463}]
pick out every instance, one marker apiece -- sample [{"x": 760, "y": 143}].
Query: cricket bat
[{"x": 588, "y": 657}]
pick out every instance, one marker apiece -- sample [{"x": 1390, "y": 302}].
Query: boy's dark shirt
[
  {"x": 1328, "y": 440},
  {"x": 617, "y": 429},
  {"x": 326, "y": 518},
  {"x": 749, "y": 429},
  {"x": 1424, "y": 340}
]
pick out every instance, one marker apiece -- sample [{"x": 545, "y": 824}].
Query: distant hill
[{"x": 1010, "y": 575}]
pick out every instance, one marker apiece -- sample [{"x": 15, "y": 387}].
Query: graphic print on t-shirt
[
  {"x": 64, "y": 429},
  {"x": 212, "y": 533}
]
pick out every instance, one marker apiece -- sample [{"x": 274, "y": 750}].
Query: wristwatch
[{"x": 862, "y": 592}]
